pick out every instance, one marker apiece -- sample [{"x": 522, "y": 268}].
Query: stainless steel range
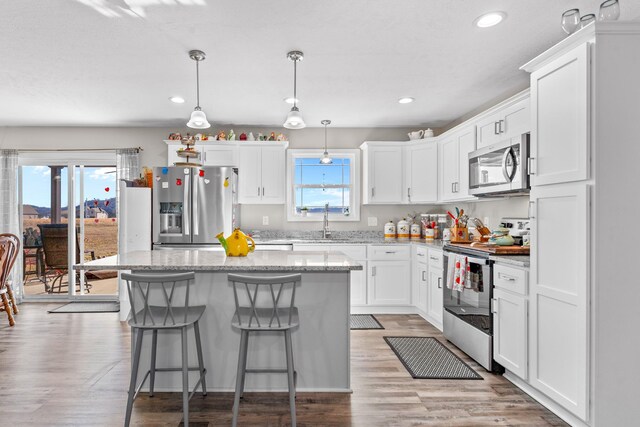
[{"x": 467, "y": 317}]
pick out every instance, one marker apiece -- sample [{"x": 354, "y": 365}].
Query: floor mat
[
  {"x": 88, "y": 307},
  {"x": 364, "y": 321},
  {"x": 427, "y": 358}
]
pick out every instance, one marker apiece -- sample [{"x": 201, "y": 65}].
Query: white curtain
[
  {"x": 9, "y": 211},
  {"x": 127, "y": 164}
]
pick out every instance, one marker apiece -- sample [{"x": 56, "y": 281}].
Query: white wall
[{"x": 155, "y": 154}]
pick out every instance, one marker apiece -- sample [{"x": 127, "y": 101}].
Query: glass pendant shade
[
  {"x": 294, "y": 119},
  {"x": 198, "y": 120},
  {"x": 325, "y": 159}
]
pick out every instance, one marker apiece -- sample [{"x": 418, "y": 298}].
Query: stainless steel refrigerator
[{"x": 191, "y": 205}]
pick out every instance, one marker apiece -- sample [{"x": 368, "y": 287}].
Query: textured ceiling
[{"x": 116, "y": 62}]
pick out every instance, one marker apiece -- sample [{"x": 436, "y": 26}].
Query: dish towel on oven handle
[{"x": 459, "y": 272}]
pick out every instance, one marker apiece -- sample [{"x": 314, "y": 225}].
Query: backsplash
[{"x": 494, "y": 209}]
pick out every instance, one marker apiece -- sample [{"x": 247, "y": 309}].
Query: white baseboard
[
  {"x": 545, "y": 401},
  {"x": 383, "y": 309}
]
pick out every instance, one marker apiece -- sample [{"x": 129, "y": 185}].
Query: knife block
[{"x": 459, "y": 235}]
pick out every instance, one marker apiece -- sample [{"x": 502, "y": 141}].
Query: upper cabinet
[
  {"x": 400, "y": 172},
  {"x": 454, "y": 164},
  {"x": 219, "y": 155},
  {"x": 560, "y": 113},
  {"x": 383, "y": 181},
  {"x": 511, "y": 119},
  {"x": 421, "y": 167},
  {"x": 261, "y": 173}
]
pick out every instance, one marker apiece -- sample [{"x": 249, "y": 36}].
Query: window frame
[{"x": 354, "y": 178}]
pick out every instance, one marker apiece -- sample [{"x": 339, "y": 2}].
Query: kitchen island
[{"x": 320, "y": 343}]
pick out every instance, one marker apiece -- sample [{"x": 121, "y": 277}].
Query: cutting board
[{"x": 496, "y": 250}]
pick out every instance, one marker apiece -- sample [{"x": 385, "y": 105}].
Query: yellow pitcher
[{"x": 237, "y": 244}]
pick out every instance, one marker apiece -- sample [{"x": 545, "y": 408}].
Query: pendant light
[
  {"x": 198, "y": 119},
  {"x": 294, "y": 118},
  {"x": 325, "y": 159}
]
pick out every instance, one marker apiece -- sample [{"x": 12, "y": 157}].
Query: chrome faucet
[{"x": 325, "y": 224}]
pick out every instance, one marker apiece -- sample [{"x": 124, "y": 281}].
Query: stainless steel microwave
[{"x": 500, "y": 169}]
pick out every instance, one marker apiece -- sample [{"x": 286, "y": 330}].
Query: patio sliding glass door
[{"x": 58, "y": 189}]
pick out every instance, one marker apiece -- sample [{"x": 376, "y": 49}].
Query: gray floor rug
[
  {"x": 88, "y": 307},
  {"x": 427, "y": 358},
  {"x": 364, "y": 321}
]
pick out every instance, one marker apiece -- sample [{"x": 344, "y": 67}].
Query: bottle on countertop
[
  {"x": 389, "y": 230},
  {"x": 403, "y": 229}
]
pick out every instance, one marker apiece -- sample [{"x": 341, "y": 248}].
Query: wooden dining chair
[
  {"x": 13, "y": 257},
  {"x": 9, "y": 247}
]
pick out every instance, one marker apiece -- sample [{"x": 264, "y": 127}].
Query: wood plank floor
[{"x": 73, "y": 369}]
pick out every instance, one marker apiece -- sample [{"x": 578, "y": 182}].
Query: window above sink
[{"x": 311, "y": 184}]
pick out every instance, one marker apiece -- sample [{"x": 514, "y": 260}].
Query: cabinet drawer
[
  {"x": 510, "y": 279},
  {"x": 436, "y": 258},
  {"x": 422, "y": 254},
  {"x": 357, "y": 252},
  {"x": 389, "y": 252}
]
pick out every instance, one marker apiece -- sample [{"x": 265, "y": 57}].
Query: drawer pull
[
  {"x": 419, "y": 254},
  {"x": 505, "y": 277},
  {"x": 434, "y": 258},
  {"x": 390, "y": 252}
]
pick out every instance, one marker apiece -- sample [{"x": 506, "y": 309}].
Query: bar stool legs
[
  {"x": 242, "y": 367},
  {"x": 242, "y": 371},
  {"x": 152, "y": 370},
  {"x": 290, "y": 376},
  {"x": 196, "y": 328},
  {"x": 135, "y": 362},
  {"x": 185, "y": 377}
]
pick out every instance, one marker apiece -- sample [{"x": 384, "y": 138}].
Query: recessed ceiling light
[
  {"x": 177, "y": 99},
  {"x": 291, "y": 100},
  {"x": 405, "y": 100},
  {"x": 490, "y": 19}
]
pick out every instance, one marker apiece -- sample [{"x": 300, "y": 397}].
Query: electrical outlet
[
  {"x": 265, "y": 220},
  {"x": 372, "y": 221},
  {"x": 486, "y": 222}
]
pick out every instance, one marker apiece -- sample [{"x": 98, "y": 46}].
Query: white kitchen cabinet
[
  {"x": 383, "y": 177},
  {"x": 419, "y": 278},
  {"x": 389, "y": 283},
  {"x": 261, "y": 174},
  {"x": 435, "y": 297},
  {"x": 358, "y": 277},
  {"x": 559, "y": 292},
  {"x": 219, "y": 154},
  {"x": 421, "y": 161},
  {"x": 506, "y": 122},
  {"x": 510, "y": 331},
  {"x": 560, "y": 114},
  {"x": 454, "y": 164}
]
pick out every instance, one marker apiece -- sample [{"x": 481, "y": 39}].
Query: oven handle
[{"x": 472, "y": 260}]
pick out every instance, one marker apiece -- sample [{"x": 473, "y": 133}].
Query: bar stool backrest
[
  {"x": 264, "y": 302},
  {"x": 152, "y": 298}
]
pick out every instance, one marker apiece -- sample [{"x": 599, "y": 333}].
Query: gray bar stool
[
  {"x": 259, "y": 308},
  {"x": 143, "y": 288}
]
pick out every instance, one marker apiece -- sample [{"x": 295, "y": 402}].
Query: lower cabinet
[
  {"x": 510, "y": 331},
  {"x": 434, "y": 309},
  {"x": 389, "y": 282},
  {"x": 421, "y": 286},
  {"x": 359, "y": 285}
]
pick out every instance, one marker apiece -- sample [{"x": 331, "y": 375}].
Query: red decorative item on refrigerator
[
  {"x": 201, "y": 172},
  {"x": 178, "y": 181}
]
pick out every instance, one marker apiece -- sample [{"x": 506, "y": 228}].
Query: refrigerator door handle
[
  {"x": 186, "y": 212},
  {"x": 196, "y": 216}
]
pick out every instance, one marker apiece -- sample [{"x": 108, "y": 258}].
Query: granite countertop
[
  {"x": 514, "y": 260},
  {"x": 349, "y": 241},
  {"x": 202, "y": 260}
]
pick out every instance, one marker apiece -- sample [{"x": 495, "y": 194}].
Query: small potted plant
[{"x": 304, "y": 211}]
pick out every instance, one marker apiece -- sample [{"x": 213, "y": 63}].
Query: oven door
[
  {"x": 471, "y": 305},
  {"x": 499, "y": 168}
]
